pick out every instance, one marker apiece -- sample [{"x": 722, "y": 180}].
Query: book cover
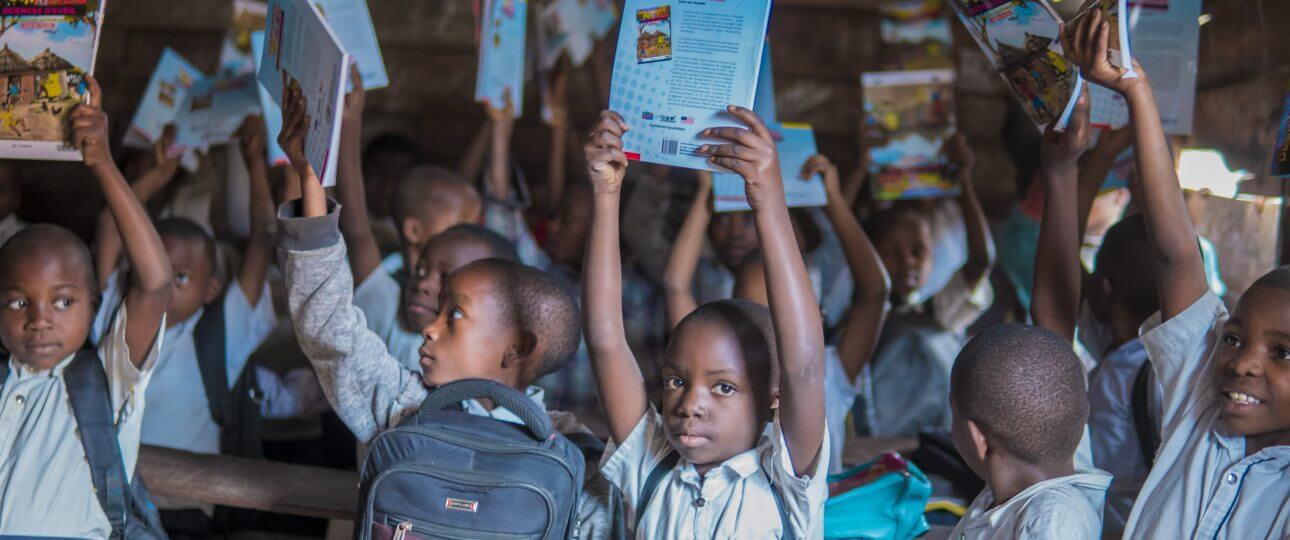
[
  {"x": 501, "y": 54},
  {"x": 300, "y": 47},
  {"x": 351, "y": 22},
  {"x": 215, "y": 108},
  {"x": 676, "y": 68},
  {"x": 165, "y": 95},
  {"x": 1019, "y": 38},
  {"x": 235, "y": 56},
  {"x": 916, "y": 35},
  {"x": 1165, "y": 35},
  {"x": 796, "y": 144},
  {"x": 909, "y": 116},
  {"x": 268, "y": 107},
  {"x": 764, "y": 101},
  {"x": 46, "y": 49}
]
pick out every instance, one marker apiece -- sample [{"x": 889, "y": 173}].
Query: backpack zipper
[
  {"x": 401, "y": 530},
  {"x": 465, "y": 478}
]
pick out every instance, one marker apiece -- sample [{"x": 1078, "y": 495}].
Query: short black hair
[
  {"x": 1127, "y": 261},
  {"x": 498, "y": 246},
  {"x": 1023, "y": 386},
  {"x": 40, "y": 240},
  {"x": 188, "y": 230},
  {"x": 883, "y": 221},
  {"x": 391, "y": 143},
  {"x": 535, "y": 303},
  {"x": 1277, "y": 278},
  {"x": 426, "y": 185},
  {"x": 753, "y": 329}
]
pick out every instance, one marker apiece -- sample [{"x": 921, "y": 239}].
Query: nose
[
  {"x": 1247, "y": 363},
  {"x": 428, "y": 285},
  {"x": 430, "y": 332},
  {"x": 38, "y": 317},
  {"x": 692, "y": 403}
]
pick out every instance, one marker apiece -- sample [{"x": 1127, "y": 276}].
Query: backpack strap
[
  {"x": 212, "y": 360},
  {"x": 783, "y": 509},
  {"x": 87, "y": 388},
  {"x": 1148, "y": 435},
  {"x": 4, "y": 369},
  {"x": 651, "y": 484}
]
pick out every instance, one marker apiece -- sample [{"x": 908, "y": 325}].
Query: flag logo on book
[
  {"x": 647, "y": 116},
  {"x": 687, "y": 120}
]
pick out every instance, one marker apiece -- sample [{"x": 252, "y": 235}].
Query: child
[
  {"x": 50, "y": 295},
  {"x": 1224, "y": 455},
  {"x": 905, "y": 392},
  {"x": 863, "y": 321},
  {"x": 731, "y": 367}
]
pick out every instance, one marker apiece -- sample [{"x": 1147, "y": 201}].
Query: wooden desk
[
  {"x": 859, "y": 450},
  {"x": 248, "y": 483}
]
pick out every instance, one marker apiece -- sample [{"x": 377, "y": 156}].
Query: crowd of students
[{"x": 744, "y": 370}]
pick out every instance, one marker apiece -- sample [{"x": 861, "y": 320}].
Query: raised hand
[
  {"x": 295, "y": 123},
  {"x": 1062, "y": 149},
  {"x": 1086, "y": 46},
  {"x": 251, "y": 137},
  {"x": 90, "y": 128},
  {"x": 750, "y": 153},
  {"x": 356, "y": 99},
  {"x": 819, "y": 164},
  {"x": 603, "y": 148},
  {"x": 164, "y": 151}
]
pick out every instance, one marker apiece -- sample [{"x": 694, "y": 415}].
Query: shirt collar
[
  {"x": 185, "y": 327},
  {"x": 500, "y": 413},
  {"x": 737, "y": 467},
  {"x": 1084, "y": 480},
  {"x": 21, "y": 371}
]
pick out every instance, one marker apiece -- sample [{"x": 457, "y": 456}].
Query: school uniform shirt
[
  {"x": 1069, "y": 507},
  {"x": 839, "y": 397},
  {"x": 45, "y": 486},
  {"x": 733, "y": 500},
  {"x": 1117, "y": 448},
  {"x": 380, "y": 298},
  {"x": 1203, "y": 485}
]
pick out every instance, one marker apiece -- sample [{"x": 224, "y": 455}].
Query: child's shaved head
[
  {"x": 432, "y": 193},
  {"x": 49, "y": 293},
  {"x": 189, "y": 231},
  {"x": 751, "y": 324},
  {"x": 1278, "y": 278},
  {"x": 1023, "y": 387},
  {"x": 497, "y": 246},
  {"x": 539, "y": 305},
  {"x": 194, "y": 261},
  {"x": 45, "y": 241}
]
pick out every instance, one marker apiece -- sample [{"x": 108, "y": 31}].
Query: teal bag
[{"x": 883, "y": 498}]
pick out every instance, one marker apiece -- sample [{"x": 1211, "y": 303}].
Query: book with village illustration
[
  {"x": 654, "y": 34},
  {"x": 909, "y": 117},
  {"x": 1020, "y": 39},
  {"x": 916, "y": 35},
  {"x": 46, "y": 50}
]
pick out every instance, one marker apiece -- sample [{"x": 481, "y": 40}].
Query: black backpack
[
  {"x": 1143, "y": 423},
  {"x": 128, "y": 505},
  {"x": 235, "y": 410},
  {"x": 445, "y": 473}
]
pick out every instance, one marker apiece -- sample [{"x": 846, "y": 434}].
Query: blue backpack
[{"x": 445, "y": 473}]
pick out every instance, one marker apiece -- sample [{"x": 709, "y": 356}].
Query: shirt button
[
  {"x": 700, "y": 502},
  {"x": 1231, "y": 478},
  {"x": 20, "y": 399}
]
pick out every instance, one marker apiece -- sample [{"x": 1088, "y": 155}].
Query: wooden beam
[
  {"x": 859, "y": 450},
  {"x": 270, "y": 486}
]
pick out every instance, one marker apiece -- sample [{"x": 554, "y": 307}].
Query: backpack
[
  {"x": 235, "y": 410},
  {"x": 445, "y": 473},
  {"x": 128, "y": 505},
  {"x": 1148, "y": 433}
]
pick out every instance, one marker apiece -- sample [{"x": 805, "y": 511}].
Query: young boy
[
  {"x": 708, "y": 466},
  {"x": 906, "y": 389},
  {"x": 50, "y": 294},
  {"x": 855, "y": 339},
  {"x": 1224, "y": 455}
]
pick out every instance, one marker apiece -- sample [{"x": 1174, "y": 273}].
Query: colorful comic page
[
  {"x": 678, "y": 66},
  {"x": 351, "y": 22},
  {"x": 46, "y": 50},
  {"x": 501, "y": 54},
  {"x": 1019, "y": 38},
  {"x": 269, "y": 108},
  {"x": 299, "y": 47},
  {"x": 1166, "y": 38},
  {"x": 796, "y": 144},
  {"x": 1118, "y": 41},
  {"x": 909, "y": 116},
  {"x": 215, "y": 108},
  {"x": 162, "y": 100},
  {"x": 916, "y": 35}
]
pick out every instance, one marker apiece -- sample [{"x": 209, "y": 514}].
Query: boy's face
[
  {"x": 1253, "y": 363},
  {"x": 48, "y": 306},
  {"x": 194, "y": 284},
  {"x": 713, "y": 407},
  {"x": 733, "y": 235},
  {"x": 470, "y": 336},
  {"x": 568, "y": 232},
  {"x": 906, "y": 251},
  {"x": 443, "y": 255}
]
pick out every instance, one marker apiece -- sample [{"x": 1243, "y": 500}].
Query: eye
[
  {"x": 672, "y": 382},
  {"x": 62, "y": 303},
  {"x": 17, "y": 304},
  {"x": 456, "y": 314},
  {"x": 181, "y": 279},
  {"x": 421, "y": 272},
  {"x": 1232, "y": 340},
  {"x": 1281, "y": 353},
  {"x": 724, "y": 389}
]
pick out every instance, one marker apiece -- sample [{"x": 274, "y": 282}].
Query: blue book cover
[
  {"x": 764, "y": 103},
  {"x": 353, "y": 27},
  {"x": 677, "y": 66},
  {"x": 269, "y": 107},
  {"x": 215, "y": 108},
  {"x": 796, "y": 144},
  {"x": 163, "y": 98},
  {"x": 501, "y": 54}
]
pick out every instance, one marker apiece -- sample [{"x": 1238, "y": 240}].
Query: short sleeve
[
  {"x": 378, "y": 297},
  {"x": 245, "y": 326},
  {"x": 1179, "y": 350},
  {"x": 627, "y": 465},
  {"x": 127, "y": 384},
  {"x": 960, "y": 303},
  {"x": 839, "y": 397},
  {"x": 803, "y": 496},
  {"x": 1059, "y": 514},
  {"x": 110, "y": 299}
]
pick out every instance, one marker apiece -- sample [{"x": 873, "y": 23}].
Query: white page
[{"x": 351, "y": 22}]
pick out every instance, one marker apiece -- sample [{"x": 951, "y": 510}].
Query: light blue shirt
[
  {"x": 1203, "y": 485},
  {"x": 1069, "y": 507},
  {"x": 1114, "y": 435},
  {"x": 839, "y": 397},
  {"x": 379, "y": 298}
]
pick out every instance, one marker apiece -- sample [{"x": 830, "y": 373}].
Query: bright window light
[{"x": 1203, "y": 169}]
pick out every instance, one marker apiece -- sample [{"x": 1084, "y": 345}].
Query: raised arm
[
  {"x": 151, "y": 274},
  {"x": 107, "y": 240},
  {"x": 501, "y": 125},
  {"x": 618, "y": 376},
  {"x": 1181, "y": 269},
  {"x": 978, "y": 230},
  {"x": 557, "y": 166},
  {"x": 258, "y": 253},
  {"x": 295, "y": 128},
  {"x": 678, "y": 275},
  {"x": 799, "y": 331},
  {"x": 1058, "y": 270},
  {"x": 872, "y": 286},
  {"x": 364, "y": 253}
]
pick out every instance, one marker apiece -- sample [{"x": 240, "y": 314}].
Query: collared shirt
[
  {"x": 380, "y": 298},
  {"x": 45, "y": 486},
  {"x": 1069, "y": 507},
  {"x": 733, "y": 500},
  {"x": 1117, "y": 448},
  {"x": 1203, "y": 485},
  {"x": 839, "y": 397}
]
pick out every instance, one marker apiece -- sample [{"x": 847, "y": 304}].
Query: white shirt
[
  {"x": 379, "y": 296},
  {"x": 1069, "y": 507},
  {"x": 45, "y": 486},
  {"x": 1203, "y": 485},
  {"x": 736, "y": 495},
  {"x": 839, "y": 397}
]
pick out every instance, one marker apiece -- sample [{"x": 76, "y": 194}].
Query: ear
[
  {"x": 213, "y": 287},
  {"x": 412, "y": 231},
  {"x": 980, "y": 446},
  {"x": 521, "y": 351}
]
